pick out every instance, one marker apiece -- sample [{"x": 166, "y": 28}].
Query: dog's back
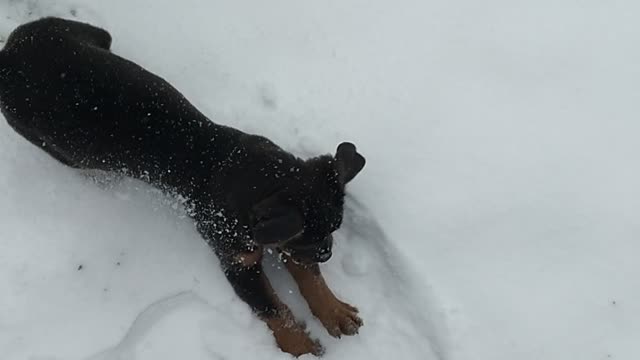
[{"x": 63, "y": 90}]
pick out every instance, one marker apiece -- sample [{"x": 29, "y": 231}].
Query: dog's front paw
[
  {"x": 292, "y": 337},
  {"x": 296, "y": 341},
  {"x": 339, "y": 318}
]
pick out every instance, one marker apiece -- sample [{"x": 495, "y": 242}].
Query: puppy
[{"x": 63, "y": 90}]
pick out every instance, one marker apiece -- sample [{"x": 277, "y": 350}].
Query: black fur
[{"x": 63, "y": 90}]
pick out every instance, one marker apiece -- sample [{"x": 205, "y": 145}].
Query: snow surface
[{"x": 496, "y": 217}]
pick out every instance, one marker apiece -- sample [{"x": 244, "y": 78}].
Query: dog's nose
[{"x": 323, "y": 257}]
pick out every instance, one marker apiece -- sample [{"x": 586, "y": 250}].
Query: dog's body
[{"x": 64, "y": 91}]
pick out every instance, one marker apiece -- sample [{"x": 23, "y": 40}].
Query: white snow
[{"x": 497, "y": 216}]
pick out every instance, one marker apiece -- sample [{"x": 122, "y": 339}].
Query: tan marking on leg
[
  {"x": 338, "y": 318},
  {"x": 249, "y": 258},
  {"x": 291, "y": 335}
]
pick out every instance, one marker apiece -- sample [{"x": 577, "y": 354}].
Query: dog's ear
[
  {"x": 348, "y": 162},
  {"x": 275, "y": 221}
]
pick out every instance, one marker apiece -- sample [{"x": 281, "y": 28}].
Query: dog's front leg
[
  {"x": 250, "y": 283},
  {"x": 338, "y": 318}
]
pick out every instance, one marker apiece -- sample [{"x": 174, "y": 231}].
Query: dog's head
[{"x": 300, "y": 218}]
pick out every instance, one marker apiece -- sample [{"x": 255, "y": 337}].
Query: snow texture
[{"x": 497, "y": 217}]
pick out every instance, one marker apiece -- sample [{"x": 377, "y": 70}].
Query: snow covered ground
[{"x": 497, "y": 217}]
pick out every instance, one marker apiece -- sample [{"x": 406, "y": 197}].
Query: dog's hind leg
[
  {"x": 40, "y": 141},
  {"x": 54, "y": 151}
]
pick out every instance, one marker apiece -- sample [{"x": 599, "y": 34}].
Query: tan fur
[
  {"x": 290, "y": 335},
  {"x": 249, "y": 259},
  {"x": 338, "y": 318}
]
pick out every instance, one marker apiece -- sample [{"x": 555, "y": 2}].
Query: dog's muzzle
[{"x": 323, "y": 257}]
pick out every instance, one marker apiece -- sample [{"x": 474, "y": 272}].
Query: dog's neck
[{"x": 224, "y": 167}]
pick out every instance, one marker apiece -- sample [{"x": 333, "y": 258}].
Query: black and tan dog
[{"x": 63, "y": 90}]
